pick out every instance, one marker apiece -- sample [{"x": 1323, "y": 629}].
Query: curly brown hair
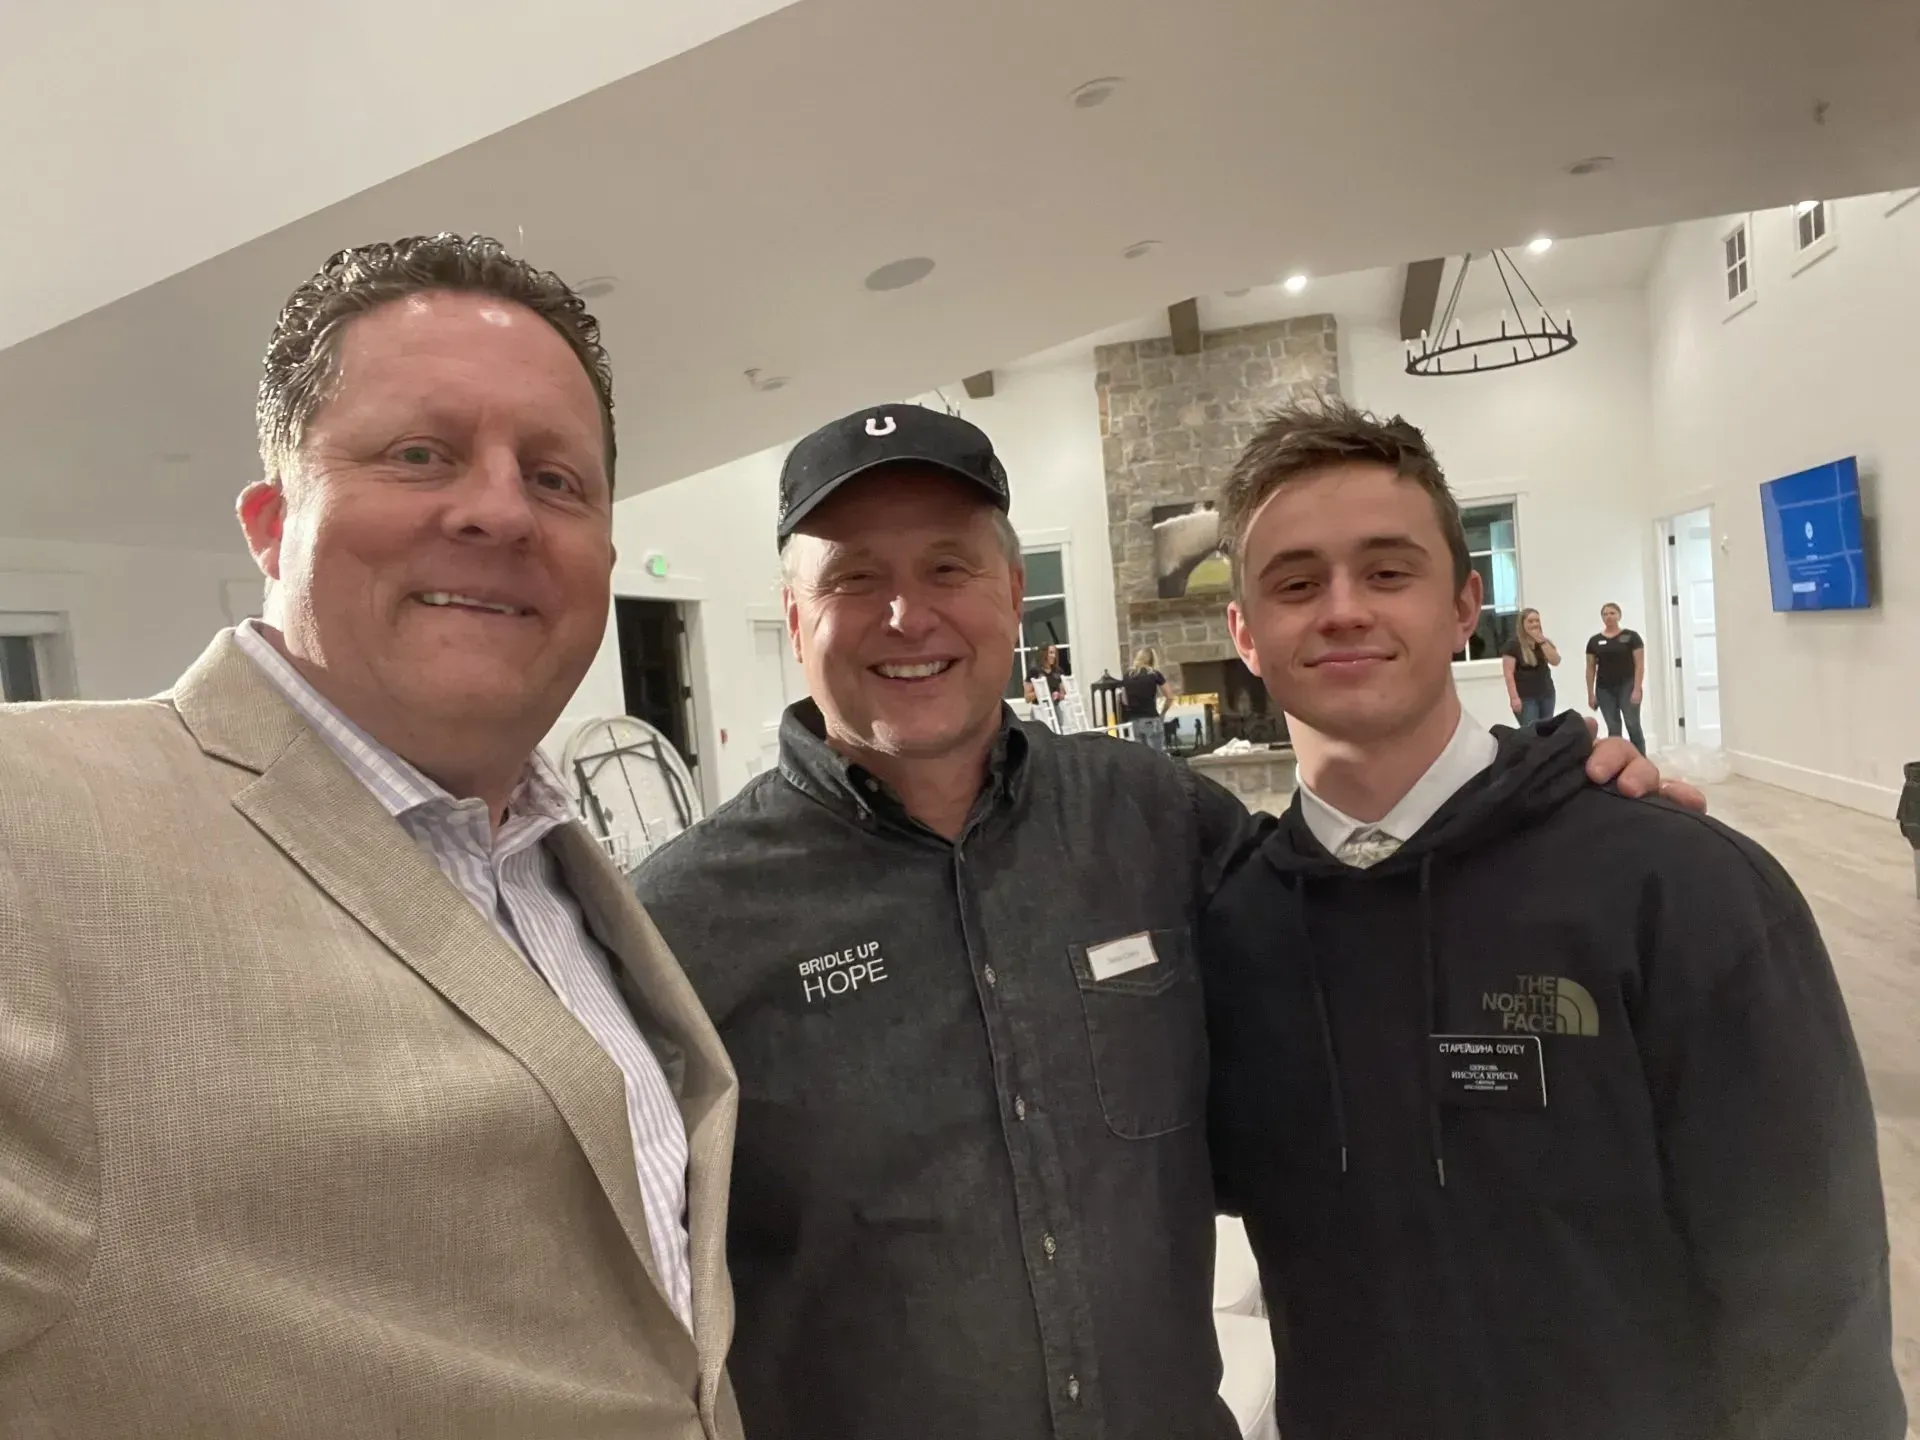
[
  {"x": 1299, "y": 440},
  {"x": 302, "y": 358}
]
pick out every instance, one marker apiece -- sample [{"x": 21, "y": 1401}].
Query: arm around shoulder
[
  {"x": 49, "y": 1163},
  {"x": 1768, "y": 1142}
]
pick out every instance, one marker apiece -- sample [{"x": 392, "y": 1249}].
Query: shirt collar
[
  {"x": 1471, "y": 750},
  {"x": 399, "y": 785},
  {"x": 813, "y": 766}
]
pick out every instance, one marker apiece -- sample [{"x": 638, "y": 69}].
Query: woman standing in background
[
  {"x": 1527, "y": 659},
  {"x": 1145, "y": 699},
  {"x": 1616, "y": 675}
]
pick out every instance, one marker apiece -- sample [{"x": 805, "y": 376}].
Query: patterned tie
[{"x": 1366, "y": 847}]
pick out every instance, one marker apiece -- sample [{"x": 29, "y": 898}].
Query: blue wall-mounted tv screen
[{"x": 1815, "y": 556}]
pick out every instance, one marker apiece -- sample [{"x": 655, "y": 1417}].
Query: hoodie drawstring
[
  {"x": 1430, "y": 983},
  {"x": 1328, "y": 1050}
]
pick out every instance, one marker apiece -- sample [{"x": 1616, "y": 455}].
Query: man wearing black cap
[
  {"x": 951, "y": 958},
  {"x": 971, "y": 1192}
]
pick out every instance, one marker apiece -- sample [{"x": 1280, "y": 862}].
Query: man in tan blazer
[{"x": 345, "y": 1090}]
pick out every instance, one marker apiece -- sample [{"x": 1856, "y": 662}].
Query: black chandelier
[{"x": 1518, "y": 343}]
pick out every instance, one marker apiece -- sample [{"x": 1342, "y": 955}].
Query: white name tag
[{"x": 1117, "y": 957}]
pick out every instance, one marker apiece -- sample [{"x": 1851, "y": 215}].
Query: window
[
  {"x": 1739, "y": 278},
  {"x": 1736, "y": 266},
  {"x": 1812, "y": 232},
  {"x": 1044, "y": 622},
  {"x": 1493, "y": 549}
]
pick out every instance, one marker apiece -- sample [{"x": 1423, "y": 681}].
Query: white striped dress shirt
[{"x": 516, "y": 883}]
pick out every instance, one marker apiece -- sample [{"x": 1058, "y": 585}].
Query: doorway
[
  {"x": 1686, "y": 554},
  {"x": 655, "y": 671}
]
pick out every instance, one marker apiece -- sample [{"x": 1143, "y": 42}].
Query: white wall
[
  {"x": 1820, "y": 367},
  {"x": 136, "y": 619},
  {"x": 1571, "y": 439},
  {"x": 1045, "y": 426},
  {"x": 716, "y": 531}
]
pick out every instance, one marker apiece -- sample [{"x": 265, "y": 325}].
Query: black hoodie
[{"x": 1686, "y": 1241}]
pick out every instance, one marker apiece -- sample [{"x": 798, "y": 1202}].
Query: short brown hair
[
  {"x": 301, "y": 361},
  {"x": 1299, "y": 440}
]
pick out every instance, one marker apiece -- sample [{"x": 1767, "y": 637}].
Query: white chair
[
  {"x": 1236, "y": 1274},
  {"x": 1247, "y": 1374}
]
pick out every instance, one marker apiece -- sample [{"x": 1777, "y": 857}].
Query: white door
[
  {"x": 777, "y": 682},
  {"x": 1691, "y": 537}
]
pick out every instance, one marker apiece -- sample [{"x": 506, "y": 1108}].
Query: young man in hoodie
[{"x": 1541, "y": 1105}]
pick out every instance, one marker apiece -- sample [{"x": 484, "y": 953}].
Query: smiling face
[
  {"x": 1348, "y": 609},
  {"x": 904, "y": 611},
  {"x": 441, "y": 551}
]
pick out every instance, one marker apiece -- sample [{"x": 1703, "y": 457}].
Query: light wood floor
[{"x": 1857, "y": 873}]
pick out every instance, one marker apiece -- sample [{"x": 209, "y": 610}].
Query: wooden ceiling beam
[
  {"x": 1418, "y": 299},
  {"x": 1184, "y": 320}
]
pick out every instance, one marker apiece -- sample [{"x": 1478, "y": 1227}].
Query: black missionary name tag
[{"x": 1492, "y": 1072}]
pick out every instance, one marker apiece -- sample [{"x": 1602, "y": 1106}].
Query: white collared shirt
[
  {"x": 515, "y": 882},
  {"x": 1470, "y": 751}
]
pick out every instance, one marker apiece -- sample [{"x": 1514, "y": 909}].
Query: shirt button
[
  {"x": 1046, "y": 1244},
  {"x": 1019, "y": 1108},
  {"x": 1073, "y": 1388},
  {"x": 992, "y": 979}
]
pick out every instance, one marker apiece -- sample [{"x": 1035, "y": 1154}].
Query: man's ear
[
  {"x": 792, "y": 607},
  {"x": 262, "y": 510},
  {"x": 1466, "y": 610},
  {"x": 1242, "y": 634}
]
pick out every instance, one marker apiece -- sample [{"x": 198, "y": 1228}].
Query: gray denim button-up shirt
[{"x": 971, "y": 1193}]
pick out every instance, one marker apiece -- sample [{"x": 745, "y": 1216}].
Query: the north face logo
[{"x": 1544, "y": 1005}]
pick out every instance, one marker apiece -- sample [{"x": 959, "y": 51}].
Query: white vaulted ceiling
[
  {"x": 741, "y": 190},
  {"x": 137, "y": 139}
]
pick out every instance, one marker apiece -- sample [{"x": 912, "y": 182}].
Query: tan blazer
[{"x": 292, "y": 1142}]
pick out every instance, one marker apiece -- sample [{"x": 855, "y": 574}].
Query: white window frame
[
  {"x": 1480, "y": 502},
  {"x": 1744, "y": 301},
  {"x": 1031, "y": 544},
  {"x": 1819, "y": 249}
]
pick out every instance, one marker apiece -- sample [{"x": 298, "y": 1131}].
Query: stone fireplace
[{"x": 1171, "y": 427}]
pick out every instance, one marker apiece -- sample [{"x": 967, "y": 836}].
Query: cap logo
[{"x": 881, "y": 425}]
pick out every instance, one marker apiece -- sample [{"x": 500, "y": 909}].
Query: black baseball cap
[{"x": 885, "y": 435}]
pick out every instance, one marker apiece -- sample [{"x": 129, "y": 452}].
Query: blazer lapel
[
  {"x": 670, "y": 1014},
  {"x": 320, "y": 815}
]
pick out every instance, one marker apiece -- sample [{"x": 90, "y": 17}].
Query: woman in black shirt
[
  {"x": 1526, "y": 659},
  {"x": 1047, "y": 677},
  {"x": 1144, "y": 699},
  {"x": 1616, "y": 675}
]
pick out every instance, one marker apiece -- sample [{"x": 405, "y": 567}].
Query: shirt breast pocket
[{"x": 1146, "y": 1027}]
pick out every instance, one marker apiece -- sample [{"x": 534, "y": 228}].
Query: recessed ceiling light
[
  {"x": 1236, "y": 294},
  {"x": 596, "y": 286},
  {"x": 1096, "y": 92},
  {"x": 1539, "y": 245},
  {"x": 1592, "y": 165},
  {"x": 898, "y": 274},
  {"x": 1295, "y": 284},
  {"x": 764, "y": 382},
  {"x": 1138, "y": 248}
]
